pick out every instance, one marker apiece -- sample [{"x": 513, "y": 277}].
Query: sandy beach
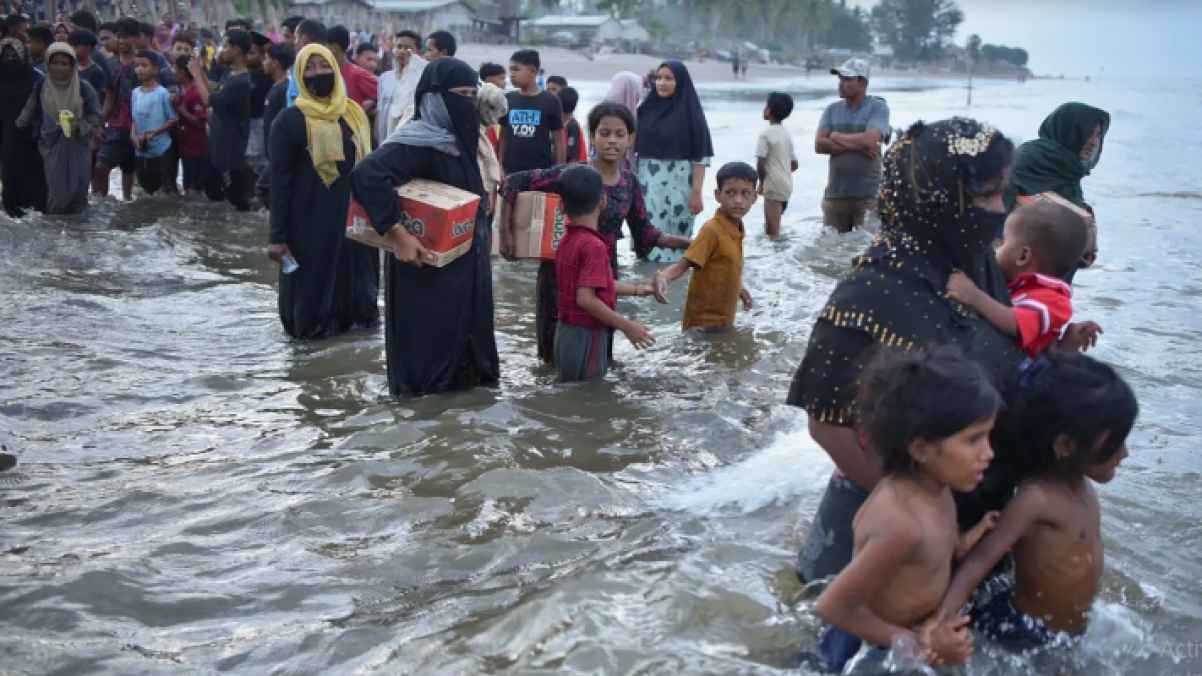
[{"x": 579, "y": 65}]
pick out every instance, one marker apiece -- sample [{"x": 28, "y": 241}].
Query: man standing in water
[{"x": 852, "y": 131}]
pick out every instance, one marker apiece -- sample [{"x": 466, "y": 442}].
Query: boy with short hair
[
  {"x": 1042, "y": 243},
  {"x": 532, "y": 133},
  {"x": 587, "y": 289},
  {"x": 116, "y": 148},
  {"x": 153, "y": 115},
  {"x": 577, "y": 148},
  {"x": 775, "y": 161},
  {"x": 229, "y": 121},
  {"x": 494, "y": 73},
  {"x": 556, "y": 83},
  {"x": 84, "y": 42},
  {"x": 717, "y": 254},
  {"x": 40, "y": 38}
]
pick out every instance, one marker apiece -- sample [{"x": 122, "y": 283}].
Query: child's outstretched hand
[
  {"x": 973, "y": 535},
  {"x": 946, "y": 640},
  {"x": 961, "y": 288},
  {"x": 661, "y": 287},
  {"x": 1080, "y": 336},
  {"x": 638, "y": 335},
  {"x": 745, "y": 296}
]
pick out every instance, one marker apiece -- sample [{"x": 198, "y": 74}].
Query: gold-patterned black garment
[{"x": 895, "y": 295}]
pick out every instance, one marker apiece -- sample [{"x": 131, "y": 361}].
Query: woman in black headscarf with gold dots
[
  {"x": 940, "y": 205},
  {"x": 439, "y": 321}
]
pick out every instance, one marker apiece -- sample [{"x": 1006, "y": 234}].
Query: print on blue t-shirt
[{"x": 524, "y": 122}]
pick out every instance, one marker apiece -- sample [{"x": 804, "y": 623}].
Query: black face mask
[
  {"x": 320, "y": 85},
  {"x": 989, "y": 223}
]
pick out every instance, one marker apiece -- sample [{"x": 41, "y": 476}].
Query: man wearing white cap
[{"x": 852, "y": 131}]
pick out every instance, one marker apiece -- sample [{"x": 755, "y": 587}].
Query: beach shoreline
[{"x": 577, "y": 65}]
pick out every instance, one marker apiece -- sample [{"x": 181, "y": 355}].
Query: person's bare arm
[
  {"x": 369, "y": 107},
  {"x": 695, "y": 202},
  {"x": 667, "y": 241},
  {"x": 972, "y": 536},
  {"x": 825, "y": 145},
  {"x": 559, "y": 142},
  {"x": 869, "y": 139},
  {"x": 201, "y": 79},
  {"x": 846, "y": 601},
  {"x": 961, "y": 288},
  {"x": 1022, "y": 511},
  {"x": 636, "y": 333},
  {"x": 668, "y": 275},
  {"x": 627, "y": 289},
  {"x": 761, "y": 169},
  {"x": 842, "y": 444}
]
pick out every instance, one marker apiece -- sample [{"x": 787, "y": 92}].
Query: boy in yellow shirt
[{"x": 717, "y": 254}]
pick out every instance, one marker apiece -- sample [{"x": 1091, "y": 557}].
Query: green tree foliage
[
  {"x": 849, "y": 29},
  {"x": 1015, "y": 56},
  {"x": 917, "y": 30}
]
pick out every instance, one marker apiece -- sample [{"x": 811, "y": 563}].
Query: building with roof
[
  {"x": 423, "y": 16},
  {"x": 586, "y": 29}
]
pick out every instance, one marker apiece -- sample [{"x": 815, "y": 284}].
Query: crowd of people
[{"x": 944, "y": 375}]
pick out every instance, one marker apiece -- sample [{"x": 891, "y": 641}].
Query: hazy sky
[{"x": 1091, "y": 37}]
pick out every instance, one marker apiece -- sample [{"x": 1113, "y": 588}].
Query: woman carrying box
[{"x": 439, "y": 321}]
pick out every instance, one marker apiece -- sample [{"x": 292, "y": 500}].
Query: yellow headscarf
[{"x": 321, "y": 117}]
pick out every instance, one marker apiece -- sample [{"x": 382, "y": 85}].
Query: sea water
[{"x": 198, "y": 493}]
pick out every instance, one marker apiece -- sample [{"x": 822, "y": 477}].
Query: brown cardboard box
[
  {"x": 441, "y": 216},
  {"x": 538, "y": 225}
]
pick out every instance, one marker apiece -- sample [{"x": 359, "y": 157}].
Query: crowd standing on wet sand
[{"x": 943, "y": 376}]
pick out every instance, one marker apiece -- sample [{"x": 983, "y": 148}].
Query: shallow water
[{"x": 197, "y": 493}]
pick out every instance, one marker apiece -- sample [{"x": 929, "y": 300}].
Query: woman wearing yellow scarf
[{"x": 328, "y": 284}]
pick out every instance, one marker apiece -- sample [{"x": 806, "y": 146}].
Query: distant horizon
[{"x": 1159, "y": 36}]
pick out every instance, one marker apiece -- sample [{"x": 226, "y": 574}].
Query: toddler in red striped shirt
[{"x": 1042, "y": 243}]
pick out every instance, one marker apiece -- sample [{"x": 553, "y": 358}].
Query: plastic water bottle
[{"x": 289, "y": 265}]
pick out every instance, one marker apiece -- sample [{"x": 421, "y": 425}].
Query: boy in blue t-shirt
[{"x": 153, "y": 116}]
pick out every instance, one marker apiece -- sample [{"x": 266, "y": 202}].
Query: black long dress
[
  {"x": 439, "y": 324},
  {"x": 20, "y": 162},
  {"x": 336, "y": 287}
]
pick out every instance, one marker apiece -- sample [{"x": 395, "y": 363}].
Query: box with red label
[
  {"x": 538, "y": 225},
  {"x": 442, "y": 217}
]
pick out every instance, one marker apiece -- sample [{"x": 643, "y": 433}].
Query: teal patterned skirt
[{"x": 667, "y": 185}]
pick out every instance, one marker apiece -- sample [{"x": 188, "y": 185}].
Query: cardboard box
[
  {"x": 1055, "y": 199},
  {"x": 538, "y": 225},
  {"x": 442, "y": 217}
]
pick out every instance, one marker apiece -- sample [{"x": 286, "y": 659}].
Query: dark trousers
[
  {"x": 233, "y": 186},
  {"x": 196, "y": 170},
  {"x": 149, "y": 171}
]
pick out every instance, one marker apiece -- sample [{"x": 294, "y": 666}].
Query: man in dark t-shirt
[
  {"x": 532, "y": 133},
  {"x": 229, "y": 122}
]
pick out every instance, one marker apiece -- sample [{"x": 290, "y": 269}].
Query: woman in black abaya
[
  {"x": 314, "y": 146},
  {"x": 439, "y": 321},
  {"x": 940, "y": 205},
  {"x": 20, "y": 162}
]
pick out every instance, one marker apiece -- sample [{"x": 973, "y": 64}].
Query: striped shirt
[{"x": 1043, "y": 305}]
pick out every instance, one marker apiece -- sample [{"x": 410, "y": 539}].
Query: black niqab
[
  {"x": 439, "y": 77},
  {"x": 895, "y": 295},
  {"x": 674, "y": 128}
]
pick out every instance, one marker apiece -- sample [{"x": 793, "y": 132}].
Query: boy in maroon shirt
[{"x": 587, "y": 289}]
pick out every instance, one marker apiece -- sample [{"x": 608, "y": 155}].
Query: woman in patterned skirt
[{"x": 674, "y": 148}]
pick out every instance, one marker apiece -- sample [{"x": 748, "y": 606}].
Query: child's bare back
[{"x": 1058, "y": 562}]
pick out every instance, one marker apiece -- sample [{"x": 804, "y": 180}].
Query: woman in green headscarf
[{"x": 1068, "y": 148}]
